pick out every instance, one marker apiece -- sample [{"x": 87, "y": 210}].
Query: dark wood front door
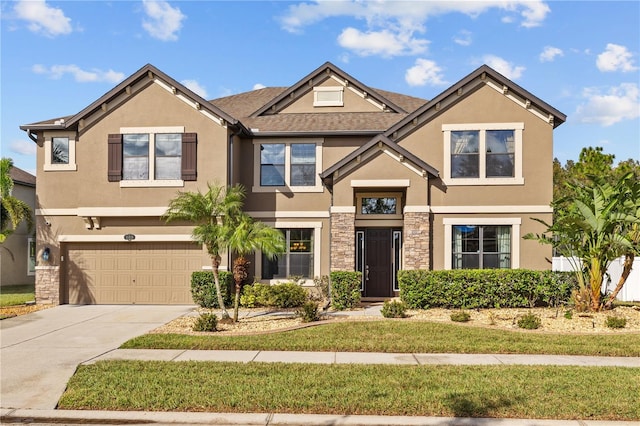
[{"x": 377, "y": 254}]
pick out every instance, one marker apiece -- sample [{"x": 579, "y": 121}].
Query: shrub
[
  {"x": 309, "y": 312},
  {"x": 615, "y": 322},
  {"x": 206, "y": 322},
  {"x": 529, "y": 321},
  {"x": 394, "y": 309},
  {"x": 287, "y": 295},
  {"x": 255, "y": 295},
  {"x": 320, "y": 290},
  {"x": 203, "y": 289},
  {"x": 345, "y": 289},
  {"x": 568, "y": 314},
  {"x": 489, "y": 288},
  {"x": 460, "y": 316}
]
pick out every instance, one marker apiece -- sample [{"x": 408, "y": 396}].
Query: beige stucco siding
[
  {"x": 153, "y": 107},
  {"x": 488, "y": 106},
  {"x": 352, "y": 102}
]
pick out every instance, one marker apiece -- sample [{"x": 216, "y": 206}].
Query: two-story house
[{"x": 356, "y": 178}]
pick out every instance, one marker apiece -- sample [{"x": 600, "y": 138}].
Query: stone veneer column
[
  {"x": 417, "y": 238},
  {"x": 48, "y": 285},
  {"x": 343, "y": 229}
]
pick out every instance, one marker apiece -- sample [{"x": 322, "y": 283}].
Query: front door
[{"x": 378, "y": 258}]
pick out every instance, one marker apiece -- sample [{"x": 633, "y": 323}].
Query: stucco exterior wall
[{"x": 14, "y": 254}]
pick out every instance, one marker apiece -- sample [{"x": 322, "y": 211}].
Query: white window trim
[
  {"x": 49, "y": 166},
  {"x": 152, "y": 182},
  {"x": 514, "y": 222},
  {"x": 517, "y": 179},
  {"x": 396, "y": 195},
  {"x": 287, "y": 166},
  {"x": 317, "y": 235},
  {"x": 30, "y": 241},
  {"x": 336, "y": 89}
]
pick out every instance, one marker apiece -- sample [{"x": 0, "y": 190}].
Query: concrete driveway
[{"x": 40, "y": 351}]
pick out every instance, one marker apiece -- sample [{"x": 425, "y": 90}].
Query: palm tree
[
  {"x": 592, "y": 228},
  {"x": 17, "y": 211},
  {"x": 247, "y": 237},
  {"x": 222, "y": 226}
]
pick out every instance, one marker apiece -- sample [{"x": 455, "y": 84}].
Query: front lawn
[
  {"x": 606, "y": 393},
  {"x": 403, "y": 337},
  {"x": 12, "y": 295}
]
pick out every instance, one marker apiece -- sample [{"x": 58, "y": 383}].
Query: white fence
[{"x": 631, "y": 290}]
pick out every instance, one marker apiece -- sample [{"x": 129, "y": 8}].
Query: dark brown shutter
[
  {"x": 114, "y": 155},
  {"x": 189, "y": 156}
]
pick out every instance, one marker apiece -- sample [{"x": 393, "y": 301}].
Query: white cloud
[
  {"x": 384, "y": 43},
  {"x": 550, "y": 53},
  {"x": 463, "y": 38},
  {"x": 195, "y": 87},
  {"x": 424, "y": 72},
  {"x": 23, "y": 147},
  {"x": 617, "y": 104},
  {"x": 43, "y": 18},
  {"x": 615, "y": 58},
  {"x": 258, "y": 86},
  {"x": 390, "y": 27},
  {"x": 504, "y": 67},
  {"x": 164, "y": 21},
  {"x": 80, "y": 75}
]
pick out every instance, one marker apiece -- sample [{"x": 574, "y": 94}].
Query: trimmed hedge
[
  {"x": 203, "y": 289},
  {"x": 345, "y": 289},
  {"x": 284, "y": 295},
  {"x": 488, "y": 288}
]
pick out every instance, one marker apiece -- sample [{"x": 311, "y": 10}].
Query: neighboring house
[
  {"x": 18, "y": 252},
  {"x": 356, "y": 178}
]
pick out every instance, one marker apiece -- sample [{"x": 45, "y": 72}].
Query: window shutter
[
  {"x": 189, "y": 156},
  {"x": 114, "y": 155}
]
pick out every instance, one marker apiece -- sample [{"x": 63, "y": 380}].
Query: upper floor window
[
  {"x": 59, "y": 150},
  {"x": 483, "y": 154},
  {"x": 288, "y": 165},
  {"x": 386, "y": 205},
  {"x": 59, "y": 153},
  {"x": 328, "y": 96},
  {"x": 162, "y": 156}
]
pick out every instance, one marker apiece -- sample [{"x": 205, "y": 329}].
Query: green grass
[
  {"x": 12, "y": 295},
  {"x": 403, "y": 337},
  {"x": 606, "y": 393}
]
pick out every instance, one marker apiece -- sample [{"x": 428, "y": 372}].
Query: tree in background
[
  {"x": 596, "y": 219},
  {"x": 12, "y": 210}
]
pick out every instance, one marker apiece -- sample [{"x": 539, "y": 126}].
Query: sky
[{"x": 581, "y": 57}]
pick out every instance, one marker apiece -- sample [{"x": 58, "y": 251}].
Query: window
[
  {"x": 162, "y": 156},
  {"x": 328, "y": 96},
  {"x": 272, "y": 164},
  {"x": 59, "y": 152},
  {"x": 483, "y": 154},
  {"x": 288, "y": 165},
  {"x": 379, "y": 205},
  {"x": 480, "y": 247},
  {"x": 31, "y": 256},
  {"x": 296, "y": 261}
]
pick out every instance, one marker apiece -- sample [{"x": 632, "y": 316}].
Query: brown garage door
[{"x": 131, "y": 273}]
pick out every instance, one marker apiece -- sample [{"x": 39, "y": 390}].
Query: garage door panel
[{"x": 126, "y": 273}]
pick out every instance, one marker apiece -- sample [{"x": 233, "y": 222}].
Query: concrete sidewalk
[{"x": 363, "y": 358}]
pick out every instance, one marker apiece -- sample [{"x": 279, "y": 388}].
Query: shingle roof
[
  {"x": 22, "y": 177},
  {"x": 323, "y": 122}
]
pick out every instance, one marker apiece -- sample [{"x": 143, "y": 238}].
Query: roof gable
[
  {"x": 145, "y": 76},
  {"x": 484, "y": 75},
  {"x": 368, "y": 151},
  {"x": 317, "y": 78}
]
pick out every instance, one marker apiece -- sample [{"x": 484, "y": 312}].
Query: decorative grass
[
  {"x": 403, "y": 337},
  {"x": 12, "y": 295},
  {"x": 606, "y": 393}
]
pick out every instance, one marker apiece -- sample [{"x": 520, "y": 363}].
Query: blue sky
[{"x": 583, "y": 58}]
